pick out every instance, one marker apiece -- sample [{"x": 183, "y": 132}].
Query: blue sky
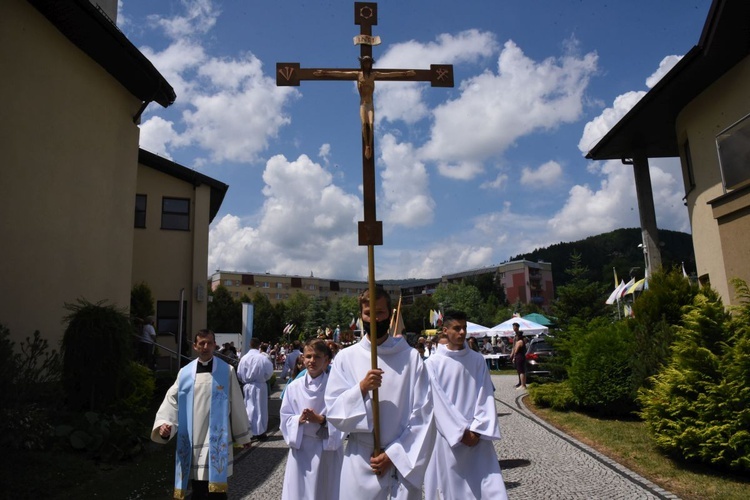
[{"x": 466, "y": 177}]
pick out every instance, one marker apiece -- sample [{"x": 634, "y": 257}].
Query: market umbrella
[
  {"x": 539, "y": 318},
  {"x": 505, "y": 329}
]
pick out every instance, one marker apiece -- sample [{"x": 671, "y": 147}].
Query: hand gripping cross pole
[{"x": 370, "y": 230}]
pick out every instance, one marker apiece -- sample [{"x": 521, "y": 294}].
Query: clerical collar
[{"x": 205, "y": 367}]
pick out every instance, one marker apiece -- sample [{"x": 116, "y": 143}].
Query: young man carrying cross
[{"x": 407, "y": 431}]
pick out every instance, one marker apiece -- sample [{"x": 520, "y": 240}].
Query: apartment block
[{"x": 280, "y": 287}]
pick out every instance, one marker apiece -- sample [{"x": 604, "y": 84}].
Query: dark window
[
  {"x": 140, "y": 210},
  {"x": 175, "y": 214},
  {"x": 334, "y": 286},
  {"x": 248, "y": 279},
  {"x": 734, "y": 154},
  {"x": 296, "y": 282},
  {"x": 688, "y": 175},
  {"x": 167, "y": 317}
]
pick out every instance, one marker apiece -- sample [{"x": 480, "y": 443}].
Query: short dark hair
[
  {"x": 255, "y": 342},
  {"x": 205, "y": 332},
  {"x": 454, "y": 316},
  {"x": 380, "y": 293},
  {"x": 516, "y": 324}
]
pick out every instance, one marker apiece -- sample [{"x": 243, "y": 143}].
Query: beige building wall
[
  {"x": 721, "y": 105},
  {"x": 67, "y": 180},
  {"x": 172, "y": 260}
]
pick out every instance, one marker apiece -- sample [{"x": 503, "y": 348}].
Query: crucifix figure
[
  {"x": 370, "y": 230},
  {"x": 439, "y": 75},
  {"x": 366, "y": 85}
]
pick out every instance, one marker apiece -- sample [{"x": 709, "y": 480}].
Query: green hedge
[
  {"x": 555, "y": 395},
  {"x": 601, "y": 375},
  {"x": 699, "y": 406}
]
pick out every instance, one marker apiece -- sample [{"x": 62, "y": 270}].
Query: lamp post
[{"x": 646, "y": 271}]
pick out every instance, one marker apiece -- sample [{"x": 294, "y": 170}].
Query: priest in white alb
[
  {"x": 204, "y": 409},
  {"x": 407, "y": 432},
  {"x": 464, "y": 463},
  {"x": 254, "y": 371}
]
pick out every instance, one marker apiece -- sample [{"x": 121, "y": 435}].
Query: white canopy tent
[
  {"x": 505, "y": 329},
  {"x": 477, "y": 331}
]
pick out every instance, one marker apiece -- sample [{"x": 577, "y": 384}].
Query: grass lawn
[{"x": 629, "y": 443}]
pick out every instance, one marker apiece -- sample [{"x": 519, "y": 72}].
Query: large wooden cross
[{"x": 370, "y": 230}]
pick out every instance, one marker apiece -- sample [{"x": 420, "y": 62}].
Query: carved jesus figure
[{"x": 366, "y": 86}]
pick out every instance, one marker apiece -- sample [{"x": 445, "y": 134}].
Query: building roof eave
[
  {"x": 648, "y": 129},
  {"x": 95, "y": 34},
  {"x": 218, "y": 188}
]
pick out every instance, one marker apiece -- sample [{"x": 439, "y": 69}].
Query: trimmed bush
[
  {"x": 600, "y": 374},
  {"x": 699, "y": 406},
  {"x": 557, "y": 395},
  {"x": 137, "y": 387}
]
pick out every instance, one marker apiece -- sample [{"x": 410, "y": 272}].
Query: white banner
[{"x": 366, "y": 40}]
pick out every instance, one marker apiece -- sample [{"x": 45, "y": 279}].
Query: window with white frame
[{"x": 733, "y": 145}]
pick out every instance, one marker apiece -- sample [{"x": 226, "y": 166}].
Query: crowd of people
[{"x": 433, "y": 406}]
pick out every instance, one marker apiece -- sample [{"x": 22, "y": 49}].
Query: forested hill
[{"x": 618, "y": 249}]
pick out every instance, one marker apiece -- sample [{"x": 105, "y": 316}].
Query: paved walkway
[{"x": 537, "y": 460}]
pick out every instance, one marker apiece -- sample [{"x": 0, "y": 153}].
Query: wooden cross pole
[{"x": 370, "y": 230}]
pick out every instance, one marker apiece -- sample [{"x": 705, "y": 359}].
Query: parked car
[{"x": 538, "y": 355}]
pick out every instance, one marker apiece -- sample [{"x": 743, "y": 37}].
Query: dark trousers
[{"x": 200, "y": 492}]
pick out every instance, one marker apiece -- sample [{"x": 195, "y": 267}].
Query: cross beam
[
  {"x": 439, "y": 75},
  {"x": 370, "y": 229}
]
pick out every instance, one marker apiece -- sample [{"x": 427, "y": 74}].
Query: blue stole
[{"x": 218, "y": 429}]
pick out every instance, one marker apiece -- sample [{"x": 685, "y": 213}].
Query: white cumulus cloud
[
  {"x": 665, "y": 66},
  {"x": 547, "y": 174},
  {"x": 404, "y": 100},
  {"x": 230, "y": 108},
  {"x": 494, "y": 110},
  {"x": 405, "y": 185},
  {"x": 307, "y": 224}
]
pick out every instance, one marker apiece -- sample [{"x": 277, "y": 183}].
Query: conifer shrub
[
  {"x": 657, "y": 313},
  {"x": 698, "y": 407},
  {"x": 600, "y": 374},
  {"x": 141, "y": 301},
  {"x": 96, "y": 348}
]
